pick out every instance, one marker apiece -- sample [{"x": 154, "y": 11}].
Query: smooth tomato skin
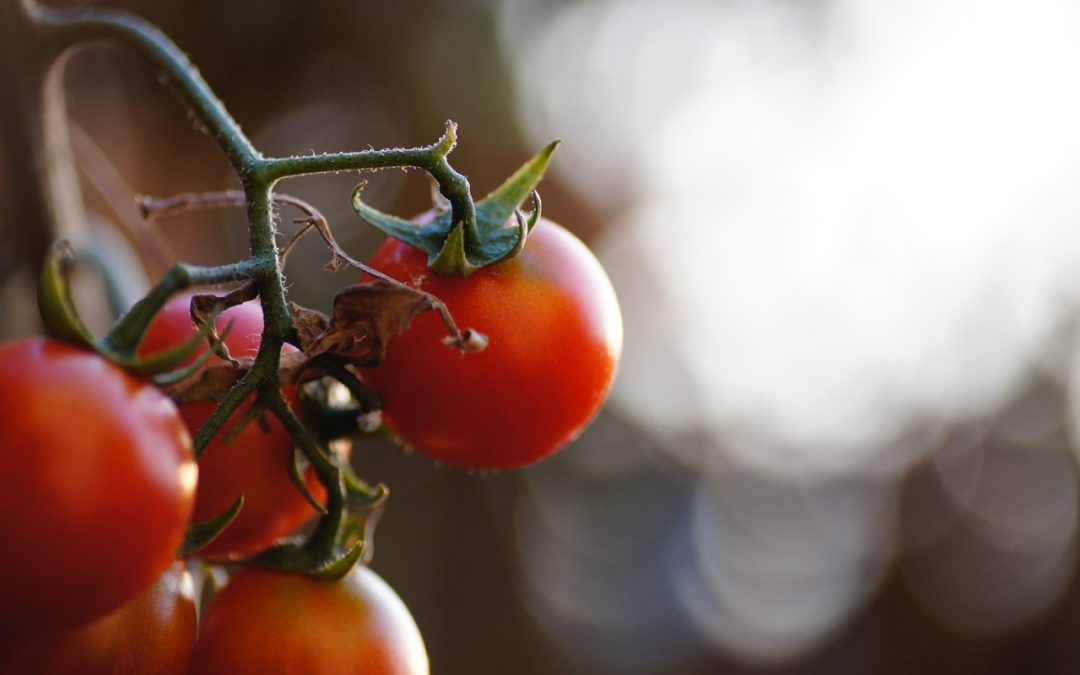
[
  {"x": 256, "y": 463},
  {"x": 277, "y": 623},
  {"x": 98, "y": 485},
  {"x": 555, "y": 334},
  {"x": 153, "y": 634}
]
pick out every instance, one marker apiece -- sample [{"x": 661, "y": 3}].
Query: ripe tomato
[
  {"x": 154, "y": 634},
  {"x": 555, "y": 336},
  {"x": 256, "y": 462},
  {"x": 97, "y": 487},
  {"x": 278, "y": 623}
]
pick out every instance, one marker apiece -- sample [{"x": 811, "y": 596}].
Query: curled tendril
[
  {"x": 534, "y": 215},
  {"x": 523, "y": 233}
]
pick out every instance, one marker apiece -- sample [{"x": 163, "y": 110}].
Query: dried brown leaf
[
  {"x": 217, "y": 377},
  {"x": 309, "y": 324},
  {"x": 365, "y": 317}
]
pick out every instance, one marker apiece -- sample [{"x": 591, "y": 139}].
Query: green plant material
[
  {"x": 199, "y": 535},
  {"x": 58, "y": 312},
  {"x": 298, "y": 468},
  {"x": 484, "y": 238},
  {"x": 453, "y": 247}
]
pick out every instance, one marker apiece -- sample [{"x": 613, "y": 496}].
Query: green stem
[
  {"x": 224, "y": 409},
  {"x": 323, "y": 542},
  {"x": 432, "y": 158},
  {"x": 57, "y": 31},
  {"x": 125, "y": 335},
  {"x": 276, "y": 168}
]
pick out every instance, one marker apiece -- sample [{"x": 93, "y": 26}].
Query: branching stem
[{"x": 60, "y": 30}]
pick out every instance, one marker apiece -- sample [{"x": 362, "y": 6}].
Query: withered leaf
[
  {"x": 309, "y": 324},
  {"x": 365, "y": 317},
  {"x": 217, "y": 377},
  {"x": 206, "y": 307}
]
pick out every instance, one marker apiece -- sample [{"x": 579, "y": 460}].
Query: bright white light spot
[
  {"x": 846, "y": 229},
  {"x": 837, "y": 222},
  {"x": 188, "y": 475}
]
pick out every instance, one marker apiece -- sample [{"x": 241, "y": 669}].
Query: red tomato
[
  {"x": 277, "y": 623},
  {"x": 98, "y": 484},
  {"x": 256, "y": 463},
  {"x": 154, "y": 634},
  {"x": 555, "y": 336}
]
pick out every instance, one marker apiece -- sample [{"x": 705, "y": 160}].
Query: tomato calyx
[
  {"x": 62, "y": 321},
  {"x": 339, "y": 542},
  {"x": 200, "y": 535},
  {"x": 457, "y": 247}
]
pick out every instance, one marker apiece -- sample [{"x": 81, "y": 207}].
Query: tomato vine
[
  {"x": 260, "y": 274},
  {"x": 561, "y": 289}
]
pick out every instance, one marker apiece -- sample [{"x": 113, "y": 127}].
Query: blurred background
[{"x": 846, "y": 239}]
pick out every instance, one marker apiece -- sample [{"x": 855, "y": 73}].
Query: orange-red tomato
[
  {"x": 154, "y": 634},
  {"x": 555, "y": 336},
  {"x": 277, "y": 623},
  {"x": 256, "y": 462},
  {"x": 97, "y": 482}
]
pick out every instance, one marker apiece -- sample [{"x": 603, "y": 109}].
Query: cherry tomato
[
  {"x": 256, "y": 462},
  {"x": 555, "y": 337},
  {"x": 278, "y": 623},
  {"x": 154, "y": 634},
  {"x": 97, "y": 482}
]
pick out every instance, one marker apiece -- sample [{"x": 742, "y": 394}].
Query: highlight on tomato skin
[
  {"x": 555, "y": 334},
  {"x": 97, "y": 484},
  {"x": 255, "y": 462},
  {"x": 279, "y": 623},
  {"x": 153, "y": 634}
]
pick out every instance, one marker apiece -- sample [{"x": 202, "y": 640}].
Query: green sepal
[
  {"x": 337, "y": 568},
  {"x": 57, "y": 310},
  {"x": 359, "y": 489},
  {"x": 199, "y": 535},
  {"x": 297, "y": 468},
  {"x": 293, "y": 557},
  {"x": 428, "y": 237},
  {"x": 62, "y": 321},
  {"x": 157, "y": 365},
  {"x": 494, "y": 210},
  {"x": 452, "y": 258},
  {"x": 167, "y": 359},
  {"x": 456, "y": 248}
]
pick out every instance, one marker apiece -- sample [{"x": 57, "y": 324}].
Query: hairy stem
[
  {"x": 55, "y": 32},
  {"x": 432, "y": 158},
  {"x": 324, "y": 539}
]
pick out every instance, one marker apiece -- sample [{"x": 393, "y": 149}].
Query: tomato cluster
[
  {"x": 101, "y": 484},
  {"x": 101, "y": 481}
]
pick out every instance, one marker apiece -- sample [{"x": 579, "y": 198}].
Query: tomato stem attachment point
[
  {"x": 331, "y": 549},
  {"x": 458, "y": 246}
]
